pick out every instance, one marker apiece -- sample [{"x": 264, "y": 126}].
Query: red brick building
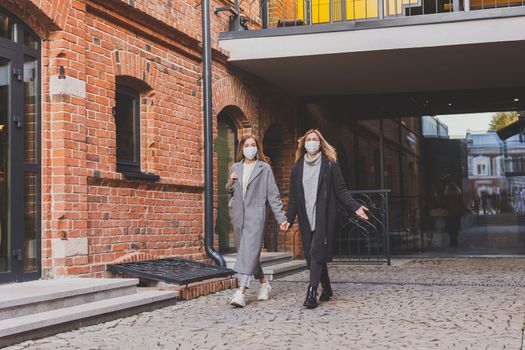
[{"x": 110, "y": 96}]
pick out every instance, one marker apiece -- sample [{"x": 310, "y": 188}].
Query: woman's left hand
[
  {"x": 361, "y": 212},
  {"x": 284, "y": 226}
]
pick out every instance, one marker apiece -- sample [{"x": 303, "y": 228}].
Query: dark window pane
[
  {"x": 30, "y": 110},
  {"x": 30, "y": 222},
  {"x": 30, "y": 40},
  {"x": 125, "y": 118},
  {"x": 7, "y": 27},
  {"x": 4, "y": 112}
]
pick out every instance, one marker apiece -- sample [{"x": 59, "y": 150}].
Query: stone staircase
[
  {"x": 41, "y": 308},
  {"x": 275, "y": 265}
]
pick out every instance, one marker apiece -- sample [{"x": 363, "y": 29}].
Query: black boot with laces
[{"x": 311, "y": 298}]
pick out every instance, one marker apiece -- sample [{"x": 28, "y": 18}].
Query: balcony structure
[{"x": 421, "y": 58}]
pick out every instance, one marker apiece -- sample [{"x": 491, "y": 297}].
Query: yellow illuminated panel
[
  {"x": 320, "y": 11},
  {"x": 355, "y": 9}
]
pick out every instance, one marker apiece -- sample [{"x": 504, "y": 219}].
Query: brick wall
[{"x": 92, "y": 214}]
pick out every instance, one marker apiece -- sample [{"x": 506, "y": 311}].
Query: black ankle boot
[
  {"x": 327, "y": 292},
  {"x": 311, "y": 298}
]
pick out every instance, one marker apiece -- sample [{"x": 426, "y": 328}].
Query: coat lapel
[
  {"x": 299, "y": 184},
  {"x": 322, "y": 171},
  {"x": 257, "y": 168},
  {"x": 239, "y": 171}
]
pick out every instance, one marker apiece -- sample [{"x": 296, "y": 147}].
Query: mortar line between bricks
[{"x": 444, "y": 284}]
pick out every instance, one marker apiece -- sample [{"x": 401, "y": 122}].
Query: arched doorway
[
  {"x": 226, "y": 149},
  {"x": 19, "y": 150}
]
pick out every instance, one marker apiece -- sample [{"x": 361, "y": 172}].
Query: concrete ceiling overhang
[{"x": 486, "y": 51}]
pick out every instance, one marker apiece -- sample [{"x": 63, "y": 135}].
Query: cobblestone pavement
[{"x": 420, "y": 304}]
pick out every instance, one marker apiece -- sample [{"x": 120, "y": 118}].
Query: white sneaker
[
  {"x": 238, "y": 299},
  {"x": 264, "y": 292}
]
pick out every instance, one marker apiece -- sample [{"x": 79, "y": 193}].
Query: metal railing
[
  {"x": 289, "y": 13},
  {"x": 360, "y": 240}
]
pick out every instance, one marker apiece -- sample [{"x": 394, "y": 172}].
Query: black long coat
[{"x": 331, "y": 189}]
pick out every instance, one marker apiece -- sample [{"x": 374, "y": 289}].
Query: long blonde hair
[
  {"x": 327, "y": 149},
  {"x": 260, "y": 152}
]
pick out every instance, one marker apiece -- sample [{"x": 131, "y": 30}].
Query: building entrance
[{"x": 19, "y": 151}]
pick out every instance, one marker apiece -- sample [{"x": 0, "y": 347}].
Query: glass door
[
  {"x": 5, "y": 263},
  {"x": 19, "y": 152},
  {"x": 226, "y": 147}
]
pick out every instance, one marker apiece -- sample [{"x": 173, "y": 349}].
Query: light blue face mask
[
  {"x": 312, "y": 146},
  {"x": 249, "y": 152}
]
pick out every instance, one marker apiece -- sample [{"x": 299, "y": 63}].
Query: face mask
[
  {"x": 249, "y": 152},
  {"x": 311, "y": 146}
]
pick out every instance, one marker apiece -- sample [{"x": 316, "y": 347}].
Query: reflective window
[
  {"x": 127, "y": 121},
  {"x": 7, "y": 27},
  {"x": 30, "y": 110},
  {"x": 31, "y": 40}
]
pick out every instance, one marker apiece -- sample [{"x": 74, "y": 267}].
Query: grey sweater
[{"x": 311, "y": 168}]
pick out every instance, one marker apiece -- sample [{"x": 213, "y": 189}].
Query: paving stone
[{"x": 422, "y": 304}]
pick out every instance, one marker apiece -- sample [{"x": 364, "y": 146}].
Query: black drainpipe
[{"x": 208, "y": 137}]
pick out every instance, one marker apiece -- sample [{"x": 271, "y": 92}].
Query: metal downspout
[{"x": 208, "y": 137}]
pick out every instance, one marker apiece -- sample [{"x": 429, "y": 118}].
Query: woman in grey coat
[{"x": 252, "y": 185}]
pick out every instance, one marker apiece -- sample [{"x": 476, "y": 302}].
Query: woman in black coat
[{"x": 316, "y": 185}]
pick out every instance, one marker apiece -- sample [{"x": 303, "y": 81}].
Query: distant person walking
[
  {"x": 316, "y": 186},
  {"x": 453, "y": 199},
  {"x": 252, "y": 186}
]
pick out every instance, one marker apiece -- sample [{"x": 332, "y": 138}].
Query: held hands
[
  {"x": 284, "y": 226},
  {"x": 233, "y": 177},
  {"x": 361, "y": 212}
]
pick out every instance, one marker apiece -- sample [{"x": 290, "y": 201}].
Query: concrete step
[
  {"x": 267, "y": 258},
  {"x": 284, "y": 269},
  {"x": 44, "y": 320},
  {"x": 29, "y": 298}
]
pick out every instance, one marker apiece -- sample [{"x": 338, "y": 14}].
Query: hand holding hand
[
  {"x": 284, "y": 226},
  {"x": 361, "y": 212},
  {"x": 233, "y": 177}
]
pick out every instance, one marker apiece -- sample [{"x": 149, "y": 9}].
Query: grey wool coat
[{"x": 249, "y": 214}]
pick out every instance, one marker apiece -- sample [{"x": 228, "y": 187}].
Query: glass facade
[{"x": 459, "y": 196}]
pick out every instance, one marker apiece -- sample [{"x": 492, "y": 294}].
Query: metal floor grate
[{"x": 172, "y": 270}]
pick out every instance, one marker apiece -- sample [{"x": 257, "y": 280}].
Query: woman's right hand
[{"x": 233, "y": 177}]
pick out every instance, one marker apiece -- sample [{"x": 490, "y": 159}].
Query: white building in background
[{"x": 495, "y": 184}]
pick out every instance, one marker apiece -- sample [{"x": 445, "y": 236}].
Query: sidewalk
[{"x": 419, "y": 304}]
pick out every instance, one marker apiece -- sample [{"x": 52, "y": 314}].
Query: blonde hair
[
  {"x": 260, "y": 152},
  {"x": 327, "y": 149}
]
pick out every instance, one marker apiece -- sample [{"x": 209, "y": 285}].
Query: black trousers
[{"x": 318, "y": 271}]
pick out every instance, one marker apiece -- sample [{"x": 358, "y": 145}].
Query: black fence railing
[
  {"x": 365, "y": 241},
  {"x": 288, "y": 13},
  {"x": 357, "y": 240}
]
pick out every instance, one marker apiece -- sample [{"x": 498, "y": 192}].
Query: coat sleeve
[
  {"x": 229, "y": 184},
  {"x": 274, "y": 198},
  {"x": 341, "y": 191},
  {"x": 292, "y": 205}
]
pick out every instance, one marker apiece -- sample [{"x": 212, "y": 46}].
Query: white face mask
[
  {"x": 249, "y": 152},
  {"x": 312, "y": 146}
]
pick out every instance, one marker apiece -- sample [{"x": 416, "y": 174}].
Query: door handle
[
  {"x": 18, "y": 120},
  {"x": 17, "y": 253},
  {"x": 18, "y": 73}
]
